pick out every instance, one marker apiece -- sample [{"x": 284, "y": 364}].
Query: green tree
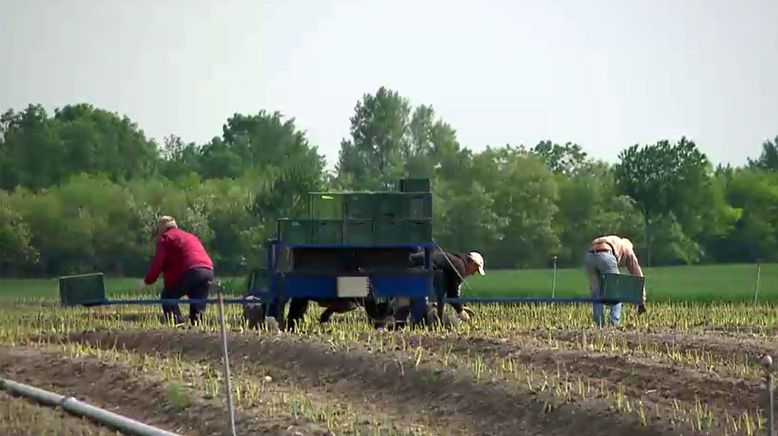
[
  {"x": 768, "y": 160},
  {"x": 373, "y": 157},
  {"x": 39, "y": 151},
  {"x": 565, "y": 159},
  {"x": 30, "y": 150},
  {"x": 755, "y": 234},
  {"x": 259, "y": 142},
  {"x": 466, "y": 221},
  {"x": 590, "y": 206},
  {"x": 218, "y": 160},
  {"x": 419, "y": 146},
  {"x": 525, "y": 194},
  {"x": 94, "y": 140},
  {"x": 450, "y": 160},
  {"x": 668, "y": 179},
  {"x": 17, "y": 252},
  {"x": 180, "y": 159}
]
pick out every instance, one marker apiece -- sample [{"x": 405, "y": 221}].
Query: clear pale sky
[{"x": 604, "y": 74}]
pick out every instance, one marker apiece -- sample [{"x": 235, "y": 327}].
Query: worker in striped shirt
[{"x": 606, "y": 254}]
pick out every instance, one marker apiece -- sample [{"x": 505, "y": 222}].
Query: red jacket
[{"x": 177, "y": 252}]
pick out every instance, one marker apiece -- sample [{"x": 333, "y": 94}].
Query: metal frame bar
[
  {"x": 484, "y": 300},
  {"x": 529, "y": 300}
]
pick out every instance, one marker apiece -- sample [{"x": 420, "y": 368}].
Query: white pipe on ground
[{"x": 77, "y": 407}]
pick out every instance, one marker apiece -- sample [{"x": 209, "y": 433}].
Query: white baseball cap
[{"x": 479, "y": 260}]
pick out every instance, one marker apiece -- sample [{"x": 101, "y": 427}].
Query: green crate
[
  {"x": 390, "y": 206},
  {"x": 358, "y": 232},
  {"x": 402, "y": 231},
  {"x": 359, "y": 206},
  {"x": 415, "y": 185},
  {"x": 295, "y": 231},
  {"x": 325, "y": 206},
  {"x": 388, "y": 232},
  {"x": 418, "y": 206},
  {"x": 419, "y": 230},
  {"x": 327, "y": 231},
  {"x": 82, "y": 289},
  {"x": 257, "y": 280},
  {"x": 622, "y": 287}
]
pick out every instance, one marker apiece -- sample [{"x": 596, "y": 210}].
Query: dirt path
[
  {"x": 453, "y": 401},
  {"x": 19, "y": 416},
  {"x": 117, "y": 389}
]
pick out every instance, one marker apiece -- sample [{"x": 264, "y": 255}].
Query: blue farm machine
[{"x": 353, "y": 249}]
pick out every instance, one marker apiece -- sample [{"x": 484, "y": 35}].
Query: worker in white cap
[{"x": 450, "y": 270}]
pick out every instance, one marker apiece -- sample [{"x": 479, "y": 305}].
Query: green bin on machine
[{"x": 352, "y": 243}]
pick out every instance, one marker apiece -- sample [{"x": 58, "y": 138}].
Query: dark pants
[
  {"x": 440, "y": 283},
  {"x": 195, "y": 285}
]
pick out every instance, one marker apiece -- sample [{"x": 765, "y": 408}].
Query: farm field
[
  {"x": 680, "y": 369},
  {"x": 707, "y": 283}
]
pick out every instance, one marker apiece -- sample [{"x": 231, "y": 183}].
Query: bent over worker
[
  {"x": 186, "y": 266},
  {"x": 450, "y": 269},
  {"x": 606, "y": 254}
]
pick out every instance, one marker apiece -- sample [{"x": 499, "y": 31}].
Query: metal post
[
  {"x": 756, "y": 286},
  {"x": 771, "y": 406},
  {"x": 439, "y": 294},
  {"x": 553, "y": 280},
  {"x": 225, "y": 357}
]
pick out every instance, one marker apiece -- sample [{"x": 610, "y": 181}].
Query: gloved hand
[
  {"x": 463, "y": 315},
  {"x": 641, "y": 309}
]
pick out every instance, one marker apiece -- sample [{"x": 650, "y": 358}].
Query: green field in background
[{"x": 707, "y": 283}]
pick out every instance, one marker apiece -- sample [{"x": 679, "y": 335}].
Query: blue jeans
[{"x": 596, "y": 264}]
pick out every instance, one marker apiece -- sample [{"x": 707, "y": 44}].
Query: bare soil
[
  {"x": 454, "y": 403},
  {"x": 119, "y": 390},
  {"x": 637, "y": 377}
]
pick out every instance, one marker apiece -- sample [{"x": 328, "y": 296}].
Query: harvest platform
[{"x": 352, "y": 245}]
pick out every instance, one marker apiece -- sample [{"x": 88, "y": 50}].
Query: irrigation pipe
[{"x": 77, "y": 407}]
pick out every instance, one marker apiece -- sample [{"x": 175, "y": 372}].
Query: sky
[{"x": 603, "y": 74}]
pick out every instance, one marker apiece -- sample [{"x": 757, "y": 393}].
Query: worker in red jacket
[{"x": 187, "y": 269}]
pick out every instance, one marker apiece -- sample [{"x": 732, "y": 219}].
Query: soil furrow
[
  {"x": 476, "y": 408},
  {"x": 725, "y": 347},
  {"x": 640, "y": 378},
  {"x": 144, "y": 398}
]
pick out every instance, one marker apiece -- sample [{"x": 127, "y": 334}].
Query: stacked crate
[{"x": 365, "y": 218}]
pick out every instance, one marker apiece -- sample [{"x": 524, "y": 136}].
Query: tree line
[{"x": 80, "y": 189}]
